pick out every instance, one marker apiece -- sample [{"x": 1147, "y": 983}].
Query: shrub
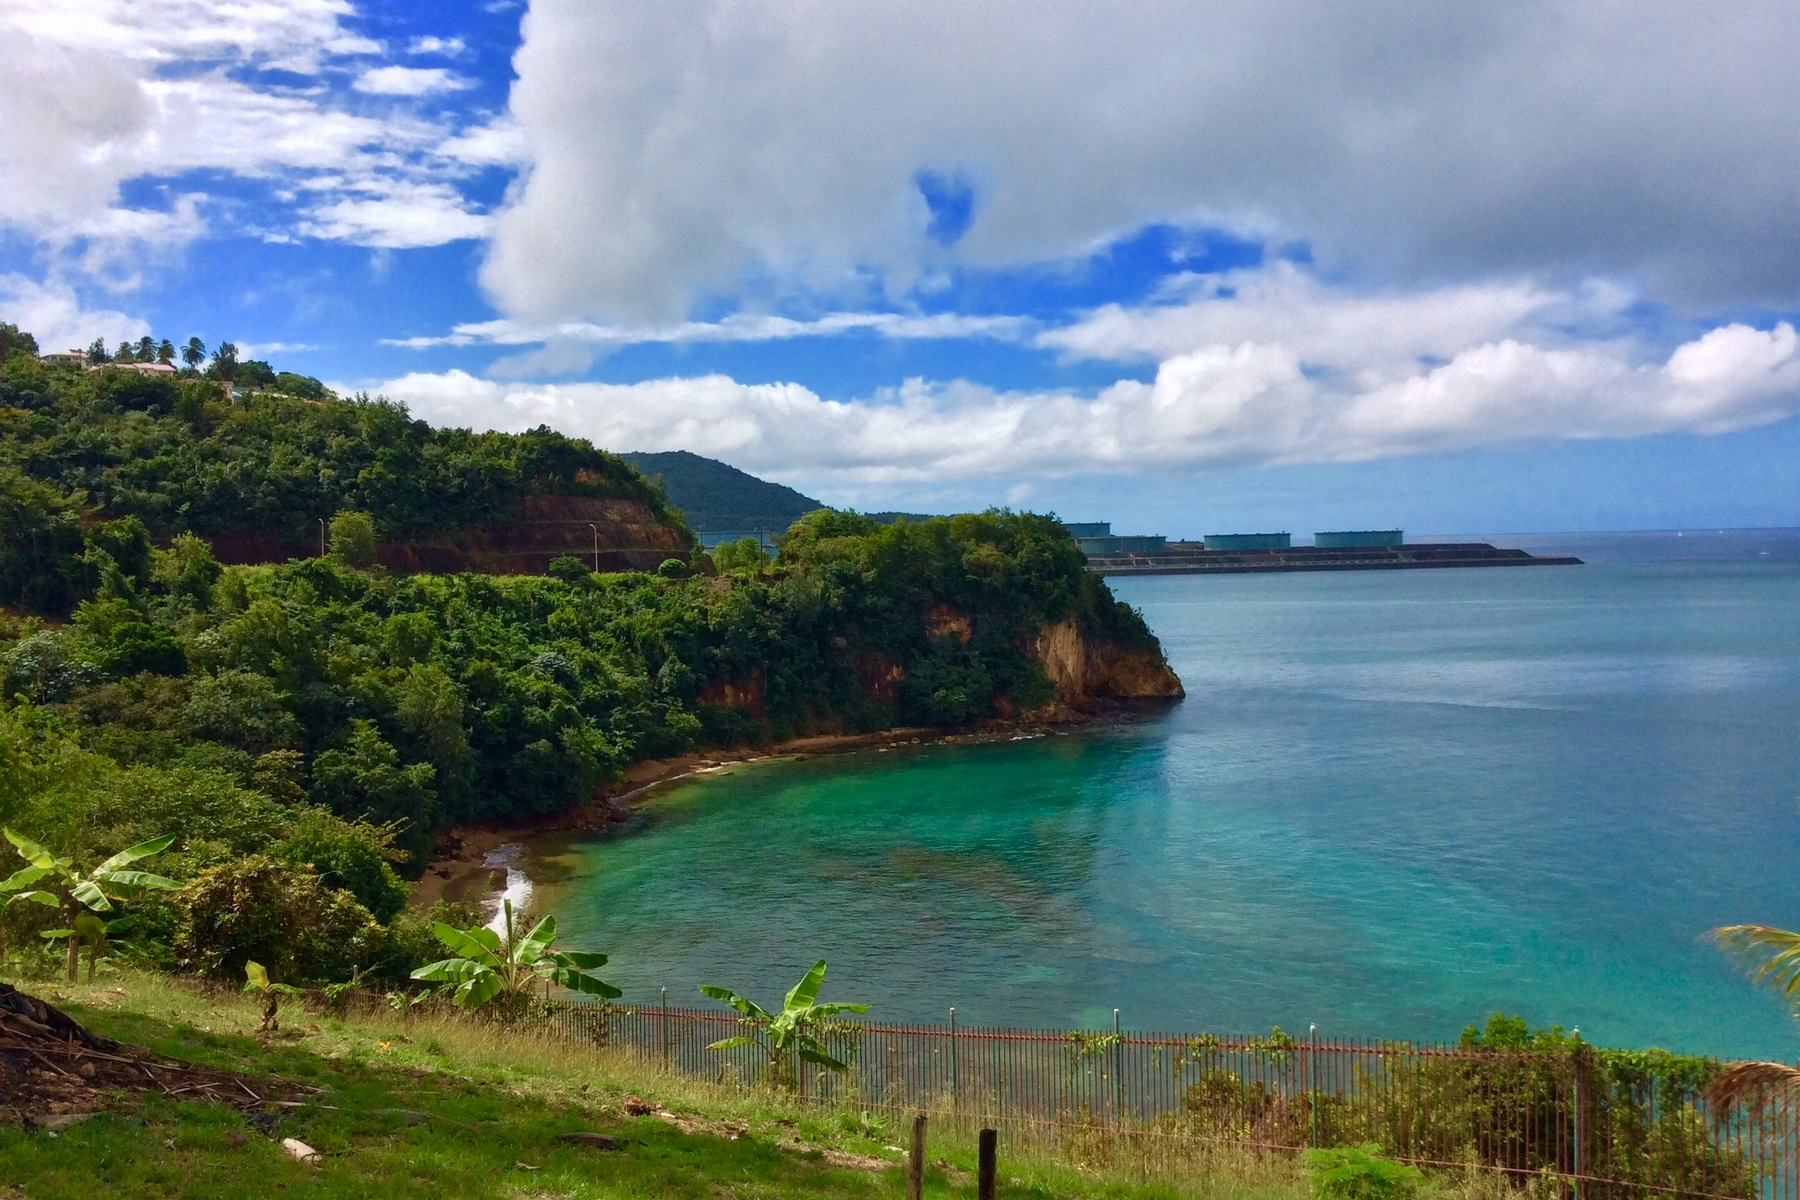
[
  {"x": 568, "y": 568},
  {"x": 354, "y": 857},
  {"x": 277, "y": 914},
  {"x": 353, "y": 539},
  {"x": 745, "y": 554},
  {"x": 1359, "y": 1173}
]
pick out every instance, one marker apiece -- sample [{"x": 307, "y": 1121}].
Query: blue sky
[{"x": 1182, "y": 266}]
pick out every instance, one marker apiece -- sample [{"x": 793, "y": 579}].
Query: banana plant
[
  {"x": 487, "y": 967},
  {"x": 74, "y": 894},
  {"x": 256, "y": 979},
  {"x": 98, "y": 936},
  {"x": 789, "y": 1032}
]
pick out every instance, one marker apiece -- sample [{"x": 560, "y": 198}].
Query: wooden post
[
  {"x": 987, "y": 1169},
  {"x": 915, "y": 1161}
]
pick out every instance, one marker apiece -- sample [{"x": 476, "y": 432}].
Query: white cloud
[
  {"x": 409, "y": 81},
  {"x": 740, "y": 327},
  {"x": 53, "y": 314},
  {"x": 1219, "y": 405},
  {"x": 498, "y": 143},
  {"x": 397, "y": 216},
  {"x": 683, "y": 147},
  {"x": 100, "y": 92},
  {"x": 450, "y": 47}
]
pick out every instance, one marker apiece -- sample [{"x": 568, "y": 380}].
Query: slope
[{"x": 718, "y": 496}]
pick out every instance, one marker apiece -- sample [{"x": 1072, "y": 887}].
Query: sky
[{"x": 1191, "y": 267}]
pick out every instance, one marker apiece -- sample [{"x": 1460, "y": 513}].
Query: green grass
[{"x": 494, "y": 1103}]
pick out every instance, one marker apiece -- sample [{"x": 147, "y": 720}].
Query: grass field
[{"x": 443, "y": 1107}]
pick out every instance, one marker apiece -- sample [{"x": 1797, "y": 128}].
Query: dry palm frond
[
  {"x": 1752, "y": 1081},
  {"x": 1771, "y": 955}
]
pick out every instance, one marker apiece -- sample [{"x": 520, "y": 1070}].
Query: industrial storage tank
[
  {"x": 1248, "y": 541},
  {"x": 1350, "y": 539}
]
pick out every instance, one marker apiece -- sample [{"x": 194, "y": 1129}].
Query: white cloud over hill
[{"x": 1292, "y": 375}]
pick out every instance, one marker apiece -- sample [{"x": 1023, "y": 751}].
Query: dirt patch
[{"x": 53, "y": 1068}]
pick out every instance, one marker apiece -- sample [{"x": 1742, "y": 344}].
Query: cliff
[{"x": 1085, "y": 670}]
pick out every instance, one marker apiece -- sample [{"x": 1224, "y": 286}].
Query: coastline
[{"x": 467, "y": 855}]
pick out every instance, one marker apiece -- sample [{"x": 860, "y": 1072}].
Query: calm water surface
[{"x": 1392, "y": 803}]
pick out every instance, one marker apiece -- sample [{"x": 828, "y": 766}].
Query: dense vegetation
[
  {"x": 717, "y": 495},
  {"x": 263, "y": 451},
  {"x": 308, "y": 729}
]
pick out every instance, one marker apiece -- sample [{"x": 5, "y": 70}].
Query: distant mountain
[{"x": 717, "y": 496}]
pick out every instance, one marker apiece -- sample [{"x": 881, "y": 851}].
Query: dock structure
[{"x": 1198, "y": 558}]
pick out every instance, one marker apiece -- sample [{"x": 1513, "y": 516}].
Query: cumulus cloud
[
  {"x": 53, "y": 314},
  {"x": 682, "y": 147},
  {"x": 1219, "y": 405},
  {"x": 409, "y": 81}
]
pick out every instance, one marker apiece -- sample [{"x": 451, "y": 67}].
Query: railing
[{"x": 1585, "y": 1123}]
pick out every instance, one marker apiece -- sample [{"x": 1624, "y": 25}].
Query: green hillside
[{"x": 718, "y": 496}]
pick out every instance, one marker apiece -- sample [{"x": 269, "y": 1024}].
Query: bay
[{"x": 1391, "y": 804}]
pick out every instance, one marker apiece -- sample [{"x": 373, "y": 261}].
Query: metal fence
[{"x": 1576, "y": 1121}]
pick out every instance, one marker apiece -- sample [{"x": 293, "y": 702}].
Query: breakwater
[{"x": 1193, "y": 558}]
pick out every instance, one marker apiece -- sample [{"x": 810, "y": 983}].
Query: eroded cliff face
[
  {"x": 1084, "y": 671},
  {"x": 539, "y": 529}
]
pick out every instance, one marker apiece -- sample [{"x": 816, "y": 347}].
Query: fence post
[
  {"x": 1312, "y": 1086},
  {"x": 1115, "y": 1069},
  {"x": 1580, "y": 1103},
  {"x": 952, "y": 1060},
  {"x": 662, "y": 1025},
  {"x": 987, "y": 1168},
  {"x": 915, "y": 1161}
]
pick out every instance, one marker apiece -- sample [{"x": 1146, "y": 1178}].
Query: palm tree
[
  {"x": 1772, "y": 956},
  {"x": 194, "y": 353}
]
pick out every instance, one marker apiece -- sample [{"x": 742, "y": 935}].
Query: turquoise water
[{"x": 1392, "y": 803}]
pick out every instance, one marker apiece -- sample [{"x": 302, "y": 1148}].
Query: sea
[{"x": 1393, "y": 803}]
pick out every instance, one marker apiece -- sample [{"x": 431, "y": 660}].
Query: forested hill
[
  {"x": 718, "y": 496},
  {"x": 331, "y": 716},
  {"x": 256, "y": 462}
]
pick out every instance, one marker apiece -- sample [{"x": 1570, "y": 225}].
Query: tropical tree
[
  {"x": 146, "y": 349},
  {"x": 125, "y": 353},
  {"x": 1772, "y": 957},
  {"x": 194, "y": 353},
  {"x": 75, "y": 894},
  {"x": 256, "y": 979},
  {"x": 165, "y": 352},
  {"x": 792, "y": 1032},
  {"x": 225, "y": 361},
  {"x": 490, "y": 969},
  {"x": 97, "y": 352}
]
